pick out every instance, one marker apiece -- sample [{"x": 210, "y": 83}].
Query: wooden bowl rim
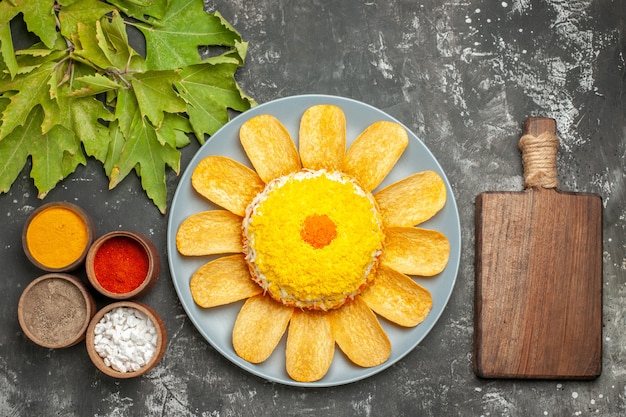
[
  {"x": 89, "y": 224},
  {"x": 160, "y": 347},
  {"x": 90, "y": 306},
  {"x": 154, "y": 265}
]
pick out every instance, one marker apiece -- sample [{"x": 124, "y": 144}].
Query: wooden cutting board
[{"x": 538, "y": 294}]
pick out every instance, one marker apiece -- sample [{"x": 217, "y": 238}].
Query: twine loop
[{"x": 539, "y": 159}]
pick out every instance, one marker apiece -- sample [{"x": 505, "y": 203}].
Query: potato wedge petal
[
  {"x": 374, "y": 153},
  {"x": 210, "y": 232},
  {"x": 398, "y": 298},
  {"x": 310, "y": 346},
  {"x": 359, "y": 334},
  {"x": 269, "y": 147},
  {"x": 259, "y": 327},
  {"x": 415, "y": 251},
  {"x": 226, "y": 182},
  {"x": 222, "y": 281},
  {"x": 412, "y": 200},
  {"x": 322, "y": 137}
]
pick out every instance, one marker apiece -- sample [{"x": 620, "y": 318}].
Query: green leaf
[
  {"x": 14, "y": 151},
  {"x": 40, "y": 19},
  {"x": 89, "y": 85},
  {"x": 7, "y": 51},
  {"x": 81, "y": 11},
  {"x": 142, "y": 9},
  {"x": 155, "y": 94},
  {"x": 242, "y": 50},
  {"x": 32, "y": 90},
  {"x": 8, "y": 10},
  {"x": 173, "y": 41},
  {"x": 84, "y": 90},
  {"x": 55, "y": 154},
  {"x": 38, "y": 54},
  {"x": 115, "y": 147},
  {"x": 144, "y": 152},
  {"x": 87, "y": 114},
  {"x": 87, "y": 47},
  {"x": 113, "y": 41},
  {"x": 174, "y": 131},
  {"x": 210, "y": 90},
  {"x": 125, "y": 110}
]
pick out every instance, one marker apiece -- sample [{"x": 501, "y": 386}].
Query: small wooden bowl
[
  {"x": 161, "y": 343},
  {"x": 55, "y": 236},
  {"x": 153, "y": 270},
  {"x": 55, "y": 309}
]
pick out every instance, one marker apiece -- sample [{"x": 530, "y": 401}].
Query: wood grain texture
[
  {"x": 538, "y": 311},
  {"x": 538, "y": 273}
]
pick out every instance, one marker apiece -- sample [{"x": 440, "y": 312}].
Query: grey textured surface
[{"x": 463, "y": 75}]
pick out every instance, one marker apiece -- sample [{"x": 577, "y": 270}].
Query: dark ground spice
[{"x": 54, "y": 311}]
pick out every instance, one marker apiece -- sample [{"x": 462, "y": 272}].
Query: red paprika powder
[{"x": 121, "y": 264}]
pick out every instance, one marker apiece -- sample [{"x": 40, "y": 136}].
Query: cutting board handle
[{"x": 539, "y": 145}]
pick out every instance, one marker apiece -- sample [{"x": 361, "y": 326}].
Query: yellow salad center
[{"x": 313, "y": 238}]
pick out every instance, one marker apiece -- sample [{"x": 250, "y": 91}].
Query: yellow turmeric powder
[{"x": 57, "y": 237}]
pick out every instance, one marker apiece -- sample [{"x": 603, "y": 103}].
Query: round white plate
[{"x": 216, "y": 324}]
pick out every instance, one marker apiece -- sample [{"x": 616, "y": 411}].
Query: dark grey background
[{"x": 463, "y": 75}]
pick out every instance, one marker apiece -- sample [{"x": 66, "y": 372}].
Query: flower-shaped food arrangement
[{"x": 309, "y": 247}]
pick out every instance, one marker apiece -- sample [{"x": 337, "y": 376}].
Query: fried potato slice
[
  {"x": 374, "y": 153},
  {"x": 310, "y": 346},
  {"x": 412, "y": 200},
  {"x": 259, "y": 327},
  {"x": 269, "y": 147},
  {"x": 226, "y": 182},
  {"x": 359, "y": 334},
  {"x": 208, "y": 233},
  {"x": 322, "y": 137},
  {"x": 222, "y": 281},
  {"x": 415, "y": 251},
  {"x": 398, "y": 298}
]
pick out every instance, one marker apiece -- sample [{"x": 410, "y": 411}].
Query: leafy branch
[{"x": 83, "y": 91}]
